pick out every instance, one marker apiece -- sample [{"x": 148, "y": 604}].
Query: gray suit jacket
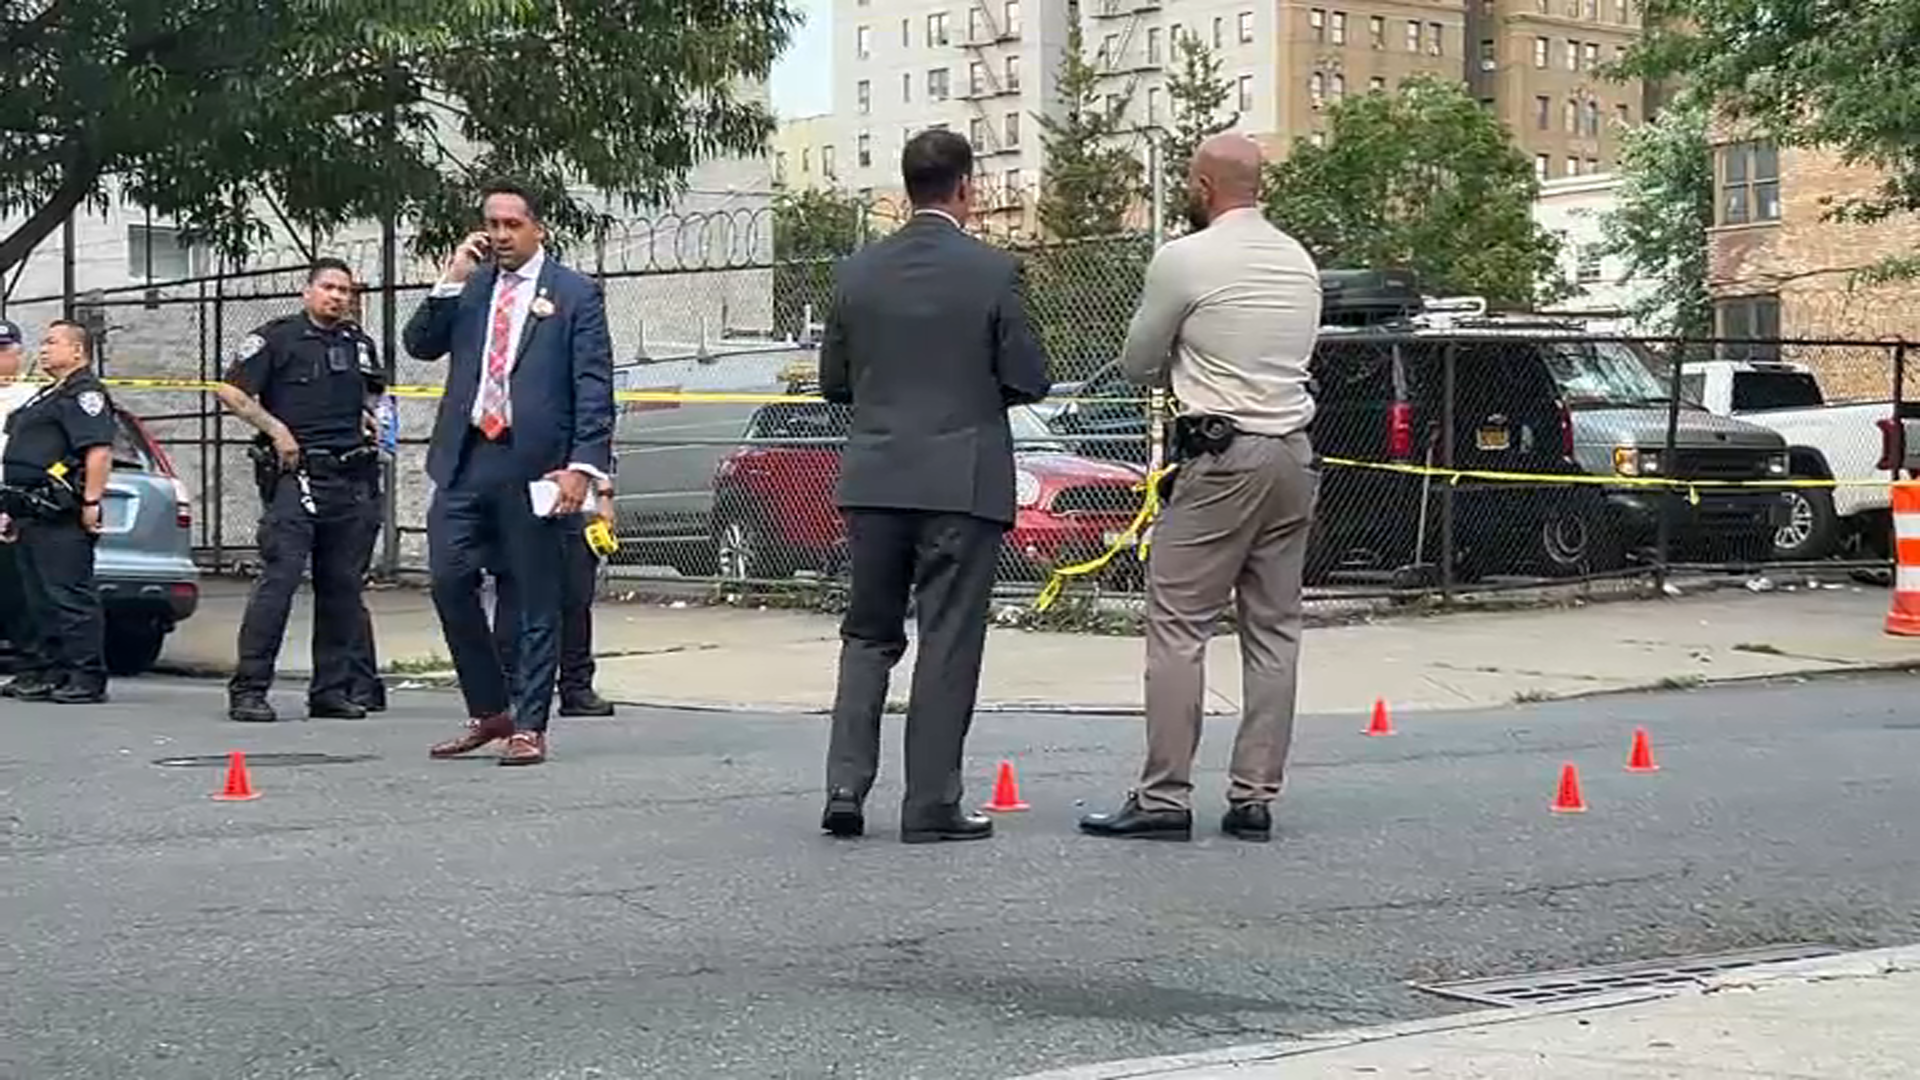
[{"x": 927, "y": 339}]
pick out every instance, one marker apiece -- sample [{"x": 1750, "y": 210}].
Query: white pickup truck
[{"x": 1825, "y": 441}]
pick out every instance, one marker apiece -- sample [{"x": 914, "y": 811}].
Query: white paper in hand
[{"x": 544, "y": 493}]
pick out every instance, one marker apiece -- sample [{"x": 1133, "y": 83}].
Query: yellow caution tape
[{"x": 1131, "y": 538}]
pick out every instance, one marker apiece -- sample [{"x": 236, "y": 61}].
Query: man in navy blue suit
[{"x": 529, "y": 397}]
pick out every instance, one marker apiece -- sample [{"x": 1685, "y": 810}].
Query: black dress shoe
[
  {"x": 952, "y": 824},
  {"x": 843, "y": 816},
  {"x": 335, "y": 708},
  {"x": 585, "y": 703},
  {"x": 1248, "y": 821},
  {"x": 1130, "y": 822},
  {"x": 251, "y": 709}
]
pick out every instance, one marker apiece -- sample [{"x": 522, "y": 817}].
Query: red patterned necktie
[{"x": 493, "y": 388}]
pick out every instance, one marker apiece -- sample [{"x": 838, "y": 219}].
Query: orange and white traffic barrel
[{"x": 1904, "y": 617}]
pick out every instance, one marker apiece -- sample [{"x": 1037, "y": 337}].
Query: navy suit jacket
[{"x": 562, "y": 382}]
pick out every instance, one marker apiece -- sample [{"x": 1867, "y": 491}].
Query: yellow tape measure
[{"x": 600, "y": 538}]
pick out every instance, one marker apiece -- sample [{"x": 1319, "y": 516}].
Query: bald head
[
  {"x": 1223, "y": 175},
  {"x": 1232, "y": 164}
]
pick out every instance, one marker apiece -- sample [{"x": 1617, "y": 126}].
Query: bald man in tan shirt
[{"x": 1227, "y": 321}]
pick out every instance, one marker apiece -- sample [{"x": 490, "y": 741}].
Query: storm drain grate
[
  {"x": 1571, "y": 984},
  {"x": 208, "y": 761}
]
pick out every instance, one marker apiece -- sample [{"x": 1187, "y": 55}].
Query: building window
[
  {"x": 1540, "y": 47},
  {"x": 1013, "y": 73},
  {"x": 1245, "y": 101},
  {"x": 1012, "y": 25},
  {"x": 1591, "y": 53},
  {"x": 1752, "y": 326},
  {"x": 1620, "y": 11},
  {"x": 906, "y": 33},
  {"x": 976, "y": 24},
  {"x": 937, "y": 29},
  {"x": 1624, "y": 113},
  {"x": 1337, "y": 86},
  {"x": 1219, "y": 33},
  {"x": 1542, "y": 112},
  {"x": 939, "y": 87},
  {"x": 1010, "y": 128},
  {"x": 1593, "y": 166},
  {"x": 1593, "y": 119},
  {"x": 863, "y": 41},
  {"x": 1015, "y": 185},
  {"x": 977, "y": 132},
  {"x": 1570, "y": 116},
  {"x": 1153, "y": 45},
  {"x": 1317, "y": 23},
  {"x": 1339, "y": 28},
  {"x": 1573, "y": 166},
  {"x": 1116, "y": 108},
  {"x": 1153, "y": 106},
  {"x": 1436, "y": 39},
  {"x": 1749, "y": 183},
  {"x": 906, "y": 86},
  {"x": 780, "y": 166},
  {"x": 1593, "y": 9},
  {"x": 864, "y": 147},
  {"x": 1318, "y": 139},
  {"x": 1587, "y": 267},
  {"x": 1377, "y": 31},
  {"x": 1110, "y": 50},
  {"x": 1246, "y": 28},
  {"x": 828, "y": 167},
  {"x": 1487, "y": 55},
  {"x": 1317, "y": 89},
  {"x": 806, "y": 161},
  {"x": 863, "y": 93},
  {"x": 1376, "y": 85},
  {"x": 1541, "y": 166},
  {"x": 161, "y": 253},
  {"x": 1413, "y": 37},
  {"x": 977, "y": 78}
]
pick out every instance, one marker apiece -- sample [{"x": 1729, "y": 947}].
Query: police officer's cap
[{"x": 9, "y": 333}]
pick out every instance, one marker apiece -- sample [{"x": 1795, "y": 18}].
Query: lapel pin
[{"x": 542, "y": 307}]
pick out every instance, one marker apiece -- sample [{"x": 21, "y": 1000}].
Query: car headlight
[
  {"x": 1633, "y": 461},
  {"x": 1777, "y": 465},
  {"x": 1026, "y": 488}
]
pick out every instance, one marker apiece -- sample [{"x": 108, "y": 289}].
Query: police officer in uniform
[
  {"x": 57, "y": 460},
  {"x": 304, "y": 382}
]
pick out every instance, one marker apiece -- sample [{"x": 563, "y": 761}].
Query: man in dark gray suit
[{"x": 927, "y": 339}]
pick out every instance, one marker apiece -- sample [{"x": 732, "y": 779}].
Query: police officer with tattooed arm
[
  {"x": 57, "y": 459},
  {"x": 305, "y": 382}
]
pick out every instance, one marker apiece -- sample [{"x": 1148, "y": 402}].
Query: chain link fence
[{"x": 1459, "y": 462}]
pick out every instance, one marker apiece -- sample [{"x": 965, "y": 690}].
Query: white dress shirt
[
  {"x": 12, "y": 396},
  {"x": 528, "y": 277}
]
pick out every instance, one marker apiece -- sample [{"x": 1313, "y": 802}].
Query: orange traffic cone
[
  {"x": 1382, "y": 723},
  {"x": 239, "y": 785},
  {"x": 1006, "y": 792},
  {"x": 1568, "y": 801},
  {"x": 1641, "y": 760}
]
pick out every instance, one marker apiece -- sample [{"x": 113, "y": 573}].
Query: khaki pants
[{"x": 1235, "y": 529}]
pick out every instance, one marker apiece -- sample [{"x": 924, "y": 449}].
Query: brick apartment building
[
  {"x": 986, "y": 68},
  {"x": 1778, "y": 267}
]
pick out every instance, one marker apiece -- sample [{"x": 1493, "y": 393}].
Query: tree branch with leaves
[
  {"x": 1424, "y": 179},
  {"x": 1197, "y": 96},
  {"x": 1091, "y": 178},
  {"x": 1663, "y": 209}
]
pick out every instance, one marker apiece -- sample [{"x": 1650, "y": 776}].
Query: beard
[{"x": 1196, "y": 214}]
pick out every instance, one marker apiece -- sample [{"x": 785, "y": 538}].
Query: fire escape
[
  {"x": 1121, "y": 27},
  {"x": 984, "y": 45}
]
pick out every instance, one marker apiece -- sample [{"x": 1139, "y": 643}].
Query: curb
[
  {"x": 444, "y": 680},
  {"x": 1867, "y": 964}
]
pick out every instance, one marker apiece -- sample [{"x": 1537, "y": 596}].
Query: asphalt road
[{"x": 656, "y": 901}]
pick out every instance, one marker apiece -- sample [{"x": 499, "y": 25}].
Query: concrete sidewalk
[
  {"x": 773, "y": 660},
  {"x": 1849, "y": 1016}
]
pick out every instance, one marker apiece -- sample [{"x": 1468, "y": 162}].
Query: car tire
[
  {"x": 1573, "y": 540},
  {"x": 133, "y": 646},
  {"x": 743, "y": 549},
  {"x": 1813, "y": 528}
]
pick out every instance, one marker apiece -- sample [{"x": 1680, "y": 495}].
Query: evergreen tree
[{"x": 1091, "y": 177}]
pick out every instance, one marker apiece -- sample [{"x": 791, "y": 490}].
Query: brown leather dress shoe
[
  {"x": 525, "y": 748},
  {"x": 479, "y": 733}
]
